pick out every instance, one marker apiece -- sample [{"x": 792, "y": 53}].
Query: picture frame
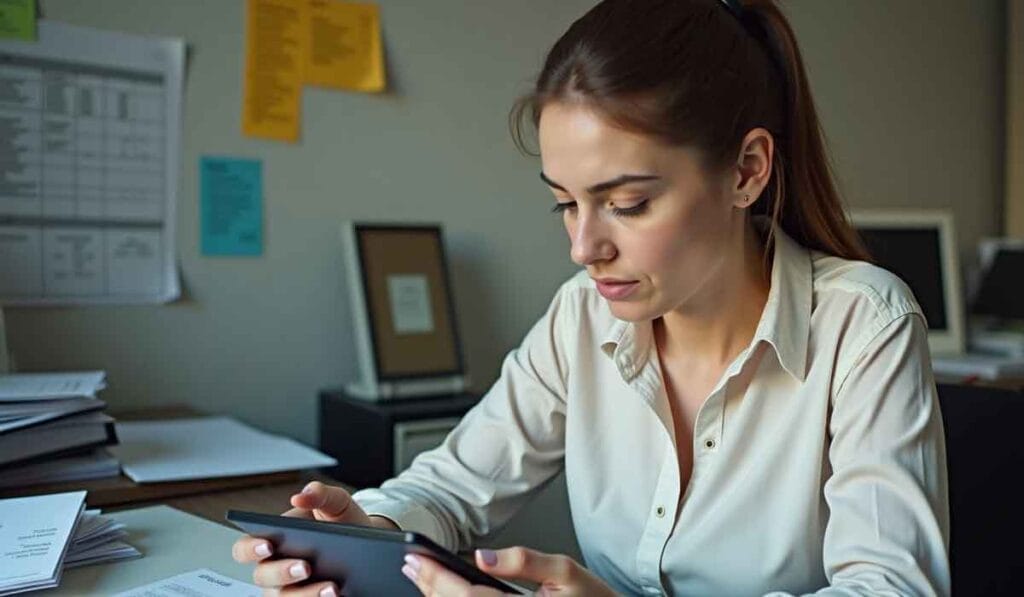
[{"x": 403, "y": 315}]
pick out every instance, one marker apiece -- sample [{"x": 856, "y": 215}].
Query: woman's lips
[{"x": 616, "y": 291}]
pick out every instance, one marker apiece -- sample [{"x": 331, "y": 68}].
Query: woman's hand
[
  {"x": 556, "y": 574},
  {"x": 316, "y": 501}
]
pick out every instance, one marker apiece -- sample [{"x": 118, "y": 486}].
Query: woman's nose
[{"x": 590, "y": 242}]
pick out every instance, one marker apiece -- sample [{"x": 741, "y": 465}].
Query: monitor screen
[
  {"x": 999, "y": 295},
  {"x": 915, "y": 255}
]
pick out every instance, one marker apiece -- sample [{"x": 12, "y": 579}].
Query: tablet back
[{"x": 360, "y": 566}]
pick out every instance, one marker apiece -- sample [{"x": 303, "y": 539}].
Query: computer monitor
[
  {"x": 920, "y": 247},
  {"x": 999, "y": 295}
]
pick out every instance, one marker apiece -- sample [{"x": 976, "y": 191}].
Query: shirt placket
[{"x": 665, "y": 502}]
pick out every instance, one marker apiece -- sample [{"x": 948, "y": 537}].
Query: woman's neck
[{"x": 717, "y": 323}]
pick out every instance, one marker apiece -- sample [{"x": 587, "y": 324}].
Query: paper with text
[
  {"x": 231, "y": 204},
  {"x": 89, "y": 159},
  {"x": 197, "y": 583},
  {"x": 274, "y": 46},
  {"x": 343, "y": 47},
  {"x": 48, "y": 386},
  {"x": 34, "y": 536}
]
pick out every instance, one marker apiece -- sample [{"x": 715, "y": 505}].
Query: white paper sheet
[
  {"x": 197, "y": 583},
  {"x": 206, "y": 447},
  {"x": 34, "y": 537},
  {"x": 48, "y": 386},
  {"x": 90, "y": 127}
]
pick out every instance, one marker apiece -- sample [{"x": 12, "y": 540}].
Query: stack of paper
[
  {"x": 98, "y": 539},
  {"x": 42, "y": 535},
  {"x": 95, "y": 464},
  {"x": 48, "y": 415},
  {"x": 207, "y": 447}
]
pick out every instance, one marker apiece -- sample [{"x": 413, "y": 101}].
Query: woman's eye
[
  {"x": 561, "y": 206},
  {"x": 635, "y": 210}
]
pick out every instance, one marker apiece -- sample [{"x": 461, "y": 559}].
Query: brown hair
[{"x": 691, "y": 72}]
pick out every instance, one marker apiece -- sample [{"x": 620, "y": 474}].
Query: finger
[
  {"x": 299, "y": 513},
  {"x": 334, "y": 502},
  {"x": 251, "y": 549},
  {"x": 434, "y": 579},
  {"x": 528, "y": 564},
  {"x": 280, "y": 573},
  {"x": 320, "y": 589}
]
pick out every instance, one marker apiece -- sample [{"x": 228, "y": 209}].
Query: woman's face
[{"x": 650, "y": 226}]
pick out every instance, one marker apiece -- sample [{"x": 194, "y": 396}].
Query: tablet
[{"x": 362, "y": 560}]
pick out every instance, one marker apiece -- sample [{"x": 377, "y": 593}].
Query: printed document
[
  {"x": 198, "y": 583},
  {"x": 90, "y": 127},
  {"x": 34, "y": 536}
]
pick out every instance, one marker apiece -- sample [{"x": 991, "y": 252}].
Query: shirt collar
[{"x": 785, "y": 323}]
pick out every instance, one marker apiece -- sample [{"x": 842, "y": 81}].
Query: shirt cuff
[{"x": 406, "y": 514}]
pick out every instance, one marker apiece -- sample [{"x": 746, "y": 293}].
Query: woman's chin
[{"x": 632, "y": 311}]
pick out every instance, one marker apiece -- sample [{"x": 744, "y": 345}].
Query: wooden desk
[
  {"x": 208, "y": 498},
  {"x": 269, "y": 498}
]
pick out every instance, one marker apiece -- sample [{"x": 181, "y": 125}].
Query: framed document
[{"x": 403, "y": 316}]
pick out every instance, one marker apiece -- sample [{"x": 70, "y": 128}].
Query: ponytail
[{"x": 803, "y": 172}]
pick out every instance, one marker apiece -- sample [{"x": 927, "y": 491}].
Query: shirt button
[
  {"x": 709, "y": 444},
  {"x": 660, "y": 511}
]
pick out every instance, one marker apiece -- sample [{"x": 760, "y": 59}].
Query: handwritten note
[
  {"x": 344, "y": 48},
  {"x": 275, "y": 44},
  {"x": 231, "y": 194}
]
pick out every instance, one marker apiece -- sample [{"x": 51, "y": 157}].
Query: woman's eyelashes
[
  {"x": 635, "y": 210},
  {"x": 561, "y": 206}
]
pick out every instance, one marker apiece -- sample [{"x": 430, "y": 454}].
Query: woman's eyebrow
[{"x": 606, "y": 185}]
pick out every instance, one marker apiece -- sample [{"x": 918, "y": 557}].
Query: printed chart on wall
[{"x": 90, "y": 127}]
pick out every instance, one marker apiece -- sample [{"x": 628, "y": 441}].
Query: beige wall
[
  {"x": 1014, "y": 223},
  {"x": 910, "y": 92}
]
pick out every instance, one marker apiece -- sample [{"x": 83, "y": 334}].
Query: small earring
[{"x": 746, "y": 198}]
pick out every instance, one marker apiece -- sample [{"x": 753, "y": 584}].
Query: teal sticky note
[{"x": 231, "y": 206}]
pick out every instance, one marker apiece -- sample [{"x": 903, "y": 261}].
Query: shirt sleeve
[
  {"x": 888, "y": 527},
  {"x": 504, "y": 450}
]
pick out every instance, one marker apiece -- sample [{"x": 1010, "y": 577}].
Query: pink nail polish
[
  {"x": 409, "y": 573},
  {"x": 412, "y": 561}
]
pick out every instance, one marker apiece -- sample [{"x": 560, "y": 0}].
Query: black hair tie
[{"x": 735, "y": 8}]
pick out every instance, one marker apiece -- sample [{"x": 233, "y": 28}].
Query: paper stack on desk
[
  {"x": 42, "y": 535},
  {"x": 47, "y": 416},
  {"x": 97, "y": 540},
  {"x": 52, "y": 429}
]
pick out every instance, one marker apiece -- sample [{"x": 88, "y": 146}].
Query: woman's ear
[{"x": 753, "y": 167}]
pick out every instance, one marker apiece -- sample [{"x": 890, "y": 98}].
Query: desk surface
[
  {"x": 179, "y": 536},
  {"x": 172, "y": 542}
]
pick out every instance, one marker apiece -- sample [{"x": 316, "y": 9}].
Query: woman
[{"x": 740, "y": 403}]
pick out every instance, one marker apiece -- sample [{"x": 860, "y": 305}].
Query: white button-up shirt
[{"x": 819, "y": 458}]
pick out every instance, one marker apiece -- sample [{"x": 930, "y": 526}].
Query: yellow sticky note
[
  {"x": 274, "y": 50},
  {"x": 18, "y": 19},
  {"x": 344, "y": 48}
]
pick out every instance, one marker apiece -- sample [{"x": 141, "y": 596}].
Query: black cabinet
[{"x": 373, "y": 441}]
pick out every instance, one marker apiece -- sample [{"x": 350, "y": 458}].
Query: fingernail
[
  {"x": 298, "y": 570},
  {"x": 413, "y": 561},
  {"x": 409, "y": 573},
  {"x": 489, "y": 557},
  {"x": 308, "y": 488},
  {"x": 328, "y": 592},
  {"x": 262, "y": 550}
]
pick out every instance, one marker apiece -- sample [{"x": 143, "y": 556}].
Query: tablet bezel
[{"x": 414, "y": 542}]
